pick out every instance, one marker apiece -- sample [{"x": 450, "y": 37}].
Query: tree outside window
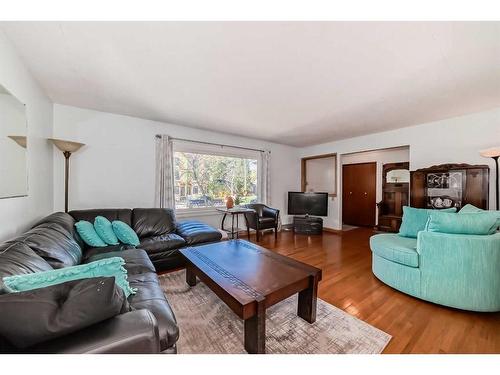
[{"x": 205, "y": 180}]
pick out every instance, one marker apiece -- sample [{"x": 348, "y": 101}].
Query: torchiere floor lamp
[
  {"x": 67, "y": 147},
  {"x": 493, "y": 153}
]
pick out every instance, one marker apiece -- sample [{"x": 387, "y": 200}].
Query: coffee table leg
[
  {"x": 255, "y": 331},
  {"x": 306, "y": 308},
  {"x": 190, "y": 276}
]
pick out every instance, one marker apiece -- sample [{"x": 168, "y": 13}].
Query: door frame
[{"x": 341, "y": 194}]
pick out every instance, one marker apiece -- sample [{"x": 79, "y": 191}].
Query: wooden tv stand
[{"x": 307, "y": 225}]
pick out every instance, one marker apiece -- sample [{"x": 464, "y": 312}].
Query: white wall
[
  {"x": 381, "y": 157},
  {"x": 456, "y": 140},
  {"x": 13, "y": 166},
  {"x": 16, "y": 214},
  {"x": 116, "y": 167}
]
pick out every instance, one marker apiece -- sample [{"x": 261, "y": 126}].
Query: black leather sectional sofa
[
  {"x": 160, "y": 234},
  {"x": 151, "y": 326}
]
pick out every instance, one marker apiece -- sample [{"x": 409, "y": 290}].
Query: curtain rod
[{"x": 213, "y": 144}]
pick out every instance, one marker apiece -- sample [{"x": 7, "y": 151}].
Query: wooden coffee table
[{"x": 249, "y": 279}]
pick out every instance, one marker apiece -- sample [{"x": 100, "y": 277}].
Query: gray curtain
[
  {"x": 265, "y": 177},
  {"x": 164, "y": 184}
]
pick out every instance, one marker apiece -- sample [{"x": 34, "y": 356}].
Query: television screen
[{"x": 315, "y": 204}]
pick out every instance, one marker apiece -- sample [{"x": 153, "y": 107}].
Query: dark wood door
[{"x": 359, "y": 187}]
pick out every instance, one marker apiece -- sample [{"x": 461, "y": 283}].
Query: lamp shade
[
  {"x": 491, "y": 152},
  {"x": 21, "y": 140},
  {"x": 66, "y": 146}
]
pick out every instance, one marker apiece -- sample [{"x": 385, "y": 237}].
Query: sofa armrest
[
  {"x": 135, "y": 332},
  {"x": 252, "y": 219},
  {"x": 460, "y": 270},
  {"x": 195, "y": 232},
  {"x": 270, "y": 212}
]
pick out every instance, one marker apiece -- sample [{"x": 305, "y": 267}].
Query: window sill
[{"x": 186, "y": 213}]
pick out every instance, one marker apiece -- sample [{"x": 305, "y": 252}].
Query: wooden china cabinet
[
  {"x": 437, "y": 187},
  {"x": 450, "y": 185}
]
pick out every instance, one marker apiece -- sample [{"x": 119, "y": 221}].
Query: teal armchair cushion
[
  {"x": 110, "y": 267},
  {"x": 402, "y": 250},
  {"x": 124, "y": 233},
  {"x": 478, "y": 223},
  {"x": 104, "y": 229},
  {"x": 88, "y": 234},
  {"x": 415, "y": 220}
]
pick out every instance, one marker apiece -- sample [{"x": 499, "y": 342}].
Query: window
[{"x": 204, "y": 180}]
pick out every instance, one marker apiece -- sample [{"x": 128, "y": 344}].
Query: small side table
[{"x": 236, "y": 211}]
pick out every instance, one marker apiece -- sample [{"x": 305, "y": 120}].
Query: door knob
[
  {"x": 350, "y": 192},
  {"x": 366, "y": 193}
]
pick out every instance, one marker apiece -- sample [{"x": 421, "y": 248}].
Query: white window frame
[{"x": 208, "y": 149}]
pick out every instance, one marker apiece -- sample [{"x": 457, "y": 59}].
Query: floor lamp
[
  {"x": 493, "y": 153},
  {"x": 21, "y": 140},
  {"x": 67, "y": 147}
]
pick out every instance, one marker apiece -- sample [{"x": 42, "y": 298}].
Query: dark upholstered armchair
[{"x": 263, "y": 217}]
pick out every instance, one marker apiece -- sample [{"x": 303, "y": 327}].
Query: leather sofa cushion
[
  {"x": 53, "y": 243},
  {"x": 396, "y": 248},
  {"x": 165, "y": 255},
  {"x": 122, "y": 214},
  {"x": 150, "y": 296},
  {"x": 157, "y": 244},
  {"x": 135, "y": 332},
  {"x": 64, "y": 219},
  {"x": 136, "y": 260},
  {"x": 195, "y": 232},
  {"x": 30, "y": 317},
  {"x": 150, "y": 222},
  {"x": 168, "y": 260},
  {"x": 90, "y": 252},
  {"x": 17, "y": 258},
  {"x": 266, "y": 220}
]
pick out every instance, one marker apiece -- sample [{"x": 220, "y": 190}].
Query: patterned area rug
[{"x": 207, "y": 325}]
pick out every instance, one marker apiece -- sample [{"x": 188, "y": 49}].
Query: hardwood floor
[{"x": 416, "y": 326}]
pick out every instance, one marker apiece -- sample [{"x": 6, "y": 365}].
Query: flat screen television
[{"x": 314, "y": 204}]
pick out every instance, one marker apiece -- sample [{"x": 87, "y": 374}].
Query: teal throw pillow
[
  {"x": 104, "y": 229},
  {"x": 124, "y": 233},
  {"x": 415, "y": 220},
  {"x": 469, "y": 209},
  {"x": 110, "y": 267},
  {"x": 478, "y": 223},
  {"x": 88, "y": 234}
]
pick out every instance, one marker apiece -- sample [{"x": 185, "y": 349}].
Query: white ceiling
[{"x": 296, "y": 83}]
